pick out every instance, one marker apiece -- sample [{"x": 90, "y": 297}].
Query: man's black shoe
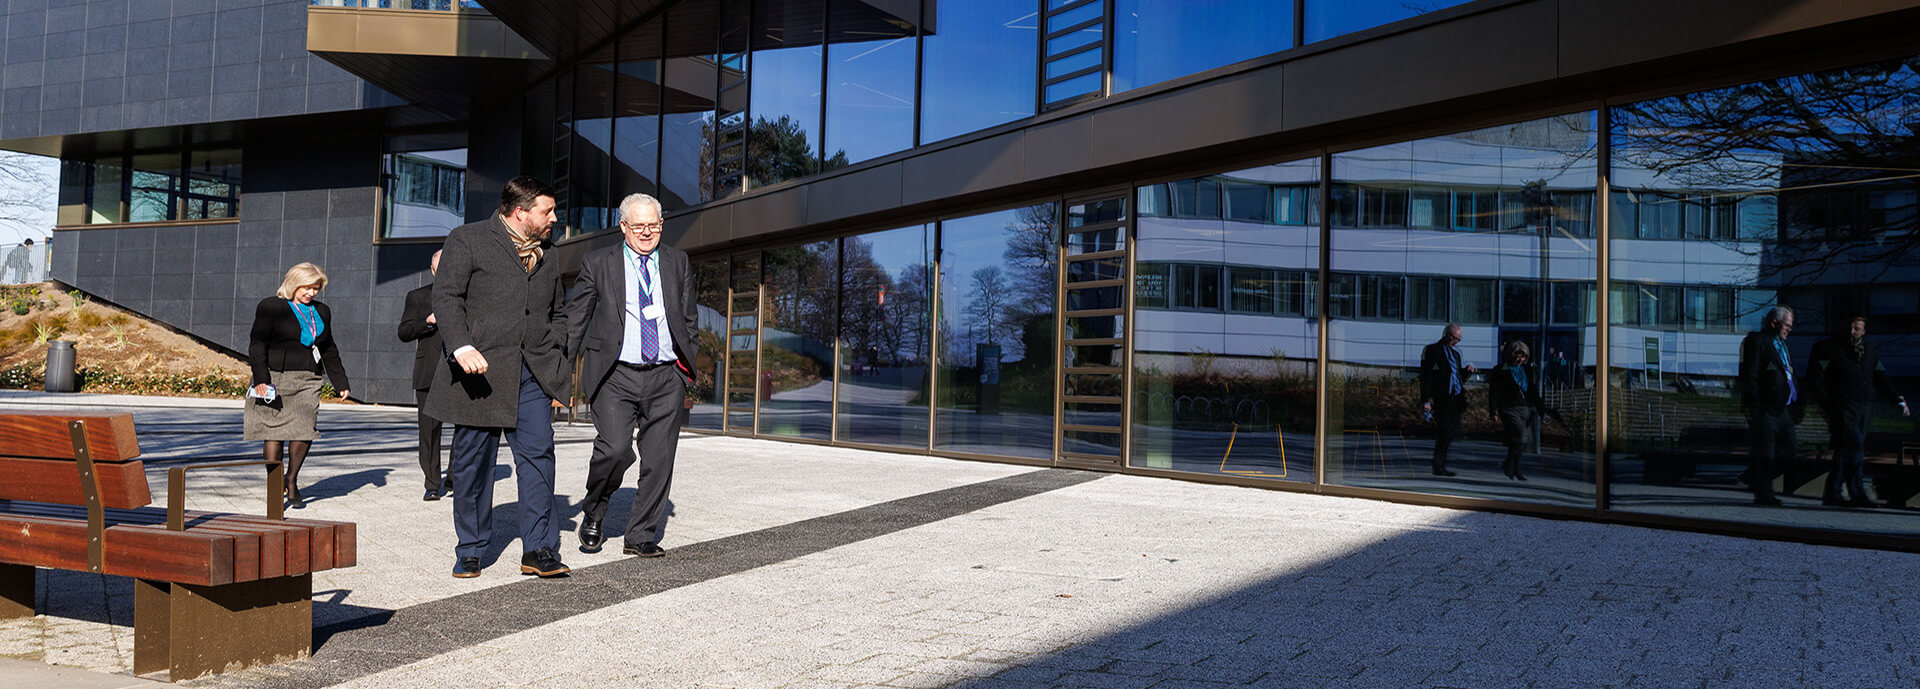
[
  {"x": 542, "y": 562},
  {"x": 644, "y": 550},
  {"x": 466, "y": 568},
  {"x": 1766, "y": 501},
  {"x": 431, "y": 496},
  {"x": 590, "y": 536},
  {"x": 1442, "y": 472},
  {"x": 1833, "y": 502}
]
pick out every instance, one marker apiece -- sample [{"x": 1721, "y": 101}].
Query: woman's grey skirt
[{"x": 291, "y": 416}]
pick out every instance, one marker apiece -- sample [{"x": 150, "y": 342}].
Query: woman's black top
[
  {"x": 275, "y": 343},
  {"x": 1503, "y": 392}
]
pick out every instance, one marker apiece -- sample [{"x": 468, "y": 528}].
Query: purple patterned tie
[{"x": 649, "y": 334}]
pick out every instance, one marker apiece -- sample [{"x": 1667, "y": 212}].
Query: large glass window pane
[
  {"x": 105, "y": 195},
  {"x": 589, "y": 207},
  {"x": 687, "y": 108},
  {"x": 1226, "y": 386},
  {"x": 710, "y": 298},
  {"x": 870, "y": 57},
  {"x": 978, "y": 66},
  {"x": 1157, "y": 40},
  {"x": 784, "y": 141},
  {"x": 425, "y": 193},
  {"x": 796, "y": 340},
  {"x": 1456, "y": 268},
  {"x": 997, "y": 287},
  {"x": 213, "y": 184},
  {"x": 1329, "y": 18},
  {"x": 886, "y": 297},
  {"x": 636, "y": 111},
  {"x": 155, "y": 188},
  {"x": 1815, "y": 213}
]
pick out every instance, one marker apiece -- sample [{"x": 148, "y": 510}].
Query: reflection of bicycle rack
[
  {"x": 1255, "y": 472},
  {"x": 1380, "y": 452}
]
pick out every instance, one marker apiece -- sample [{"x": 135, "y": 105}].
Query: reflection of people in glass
[
  {"x": 1769, "y": 399},
  {"x": 1443, "y": 378},
  {"x": 1842, "y": 375},
  {"x": 1513, "y": 399},
  {"x": 17, "y": 261}
]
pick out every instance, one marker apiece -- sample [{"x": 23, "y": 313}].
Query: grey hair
[
  {"x": 632, "y": 203},
  {"x": 1514, "y": 347},
  {"x": 1775, "y": 315}
]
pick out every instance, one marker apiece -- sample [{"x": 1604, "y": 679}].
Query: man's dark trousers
[
  {"x": 649, "y": 399},
  {"x": 475, "y": 451},
  {"x": 1447, "y": 410},
  {"x": 1773, "y": 443},
  {"x": 1847, "y": 431},
  {"x": 429, "y": 442}
]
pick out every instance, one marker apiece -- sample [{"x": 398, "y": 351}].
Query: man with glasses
[{"x": 632, "y": 319}]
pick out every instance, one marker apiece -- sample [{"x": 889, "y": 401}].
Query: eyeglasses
[{"x": 643, "y": 226}]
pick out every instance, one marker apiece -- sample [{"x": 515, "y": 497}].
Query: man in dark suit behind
[
  {"x": 1770, "y": 399},
  {"x": 1843, "y": 374},
  {"x": 499, "y": 305},
  {"x": 632, "y": 319},
  {"x": 1443, "y": 379},
  {"x": 418, "y": 325}
]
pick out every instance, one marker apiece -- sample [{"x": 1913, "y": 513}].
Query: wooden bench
[{"x": 213, "y": 592}]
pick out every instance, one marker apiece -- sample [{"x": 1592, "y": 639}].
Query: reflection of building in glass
[
  {"x": 1139, "y": 236},
  {"x": 426, "y": 193}
]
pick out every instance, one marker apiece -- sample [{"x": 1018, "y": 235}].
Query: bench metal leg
[
  {"x": 194, "y": 631},
  {"x": 16, "y": 591}
]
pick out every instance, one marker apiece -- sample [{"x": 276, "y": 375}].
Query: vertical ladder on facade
[
  {"x": 741, "y": 394},
  {"x": 1095, "y": 266}
]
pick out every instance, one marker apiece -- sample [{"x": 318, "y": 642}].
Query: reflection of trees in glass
[
  {"x": 988, "y": 294},
  {"x": 778, "y": 150},
  {"x": 1838, "y": 146},
  {"x": 884, "y": 313}
]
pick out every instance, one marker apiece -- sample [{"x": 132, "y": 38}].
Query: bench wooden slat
[
  {"x": 143, "y": 552},
  {"x": 257, "y": 553},
  {"x": 44, "y": 435},
  {"x": 287, "y": 547},
  {"x": 122, "y": 484}
]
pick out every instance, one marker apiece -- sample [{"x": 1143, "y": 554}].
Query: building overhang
[{"x": 446, "y": 61}]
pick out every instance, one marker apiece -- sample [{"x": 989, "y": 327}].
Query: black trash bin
[{"x": 60, "y": 360}]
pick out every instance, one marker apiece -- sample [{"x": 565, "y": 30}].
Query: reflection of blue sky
[
  {"x": 786, "y": 83},
  {"x": 968, "y": 245},
  {"x": 1329, "y": 18},
  {"x": 978, "y": 71},
  {"x": 1157, "y": 40},
  {"x": 870, "y": 98}
]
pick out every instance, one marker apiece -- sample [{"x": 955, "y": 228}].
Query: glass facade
[
  {"x": 1727, "y": 203},
  {"x": 1226, "y": 328},
  {"x": 1557, "y": 314},
  {"x": 997, "y": 285},
  {"x": 717, "y": 97},
  {"x": 201, "y": 184},
  {"x": 1478, "y": 230},
  {"x": 797, "y": 340},
  {"x": 1157, "y": 40},
  {"x": 886, "y": 337}
]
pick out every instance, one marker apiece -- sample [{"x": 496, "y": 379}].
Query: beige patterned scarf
[{"x": 528, "y": 249}]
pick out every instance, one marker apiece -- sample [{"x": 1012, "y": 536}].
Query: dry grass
[{"x": 106, "y": 338}]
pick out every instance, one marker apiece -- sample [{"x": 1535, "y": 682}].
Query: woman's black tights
[{"x": 296, "y": 451}]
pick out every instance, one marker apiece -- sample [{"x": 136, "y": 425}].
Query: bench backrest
[{"x": 37, "y": 461}]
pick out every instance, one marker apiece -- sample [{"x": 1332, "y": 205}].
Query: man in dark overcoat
[
  {"x": 499, "y": 305},
  {"x": 1843, "y": 373}
]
